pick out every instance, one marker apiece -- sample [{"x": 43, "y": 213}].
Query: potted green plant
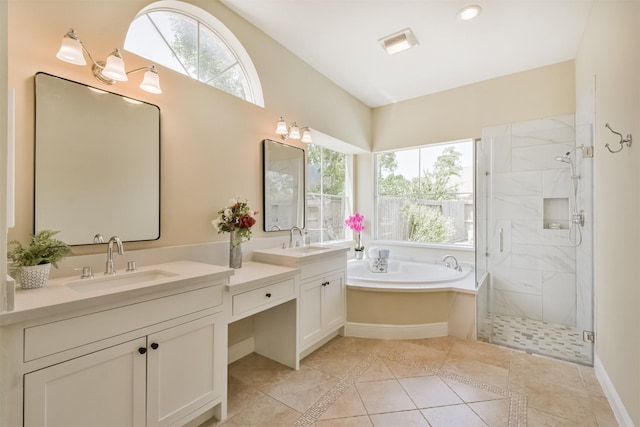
[{"x": 31, "y": 263}]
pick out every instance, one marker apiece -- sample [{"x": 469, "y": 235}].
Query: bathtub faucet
[{"x": 449, "y": 265}]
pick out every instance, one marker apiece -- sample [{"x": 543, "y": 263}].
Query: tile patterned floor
[
  {"x": 559, "y": 341},
  {"x": 430, "y": 382}
]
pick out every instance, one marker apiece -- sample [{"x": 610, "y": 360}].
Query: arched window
[{"x": 186, "y": 39}]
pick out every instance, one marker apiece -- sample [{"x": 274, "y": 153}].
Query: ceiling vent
[{"x": 399, "y": 41}]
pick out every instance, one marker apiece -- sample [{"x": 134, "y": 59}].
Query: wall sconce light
[
  {"x": 113, "y": 71},
  {"x": 293, "y": 131}
]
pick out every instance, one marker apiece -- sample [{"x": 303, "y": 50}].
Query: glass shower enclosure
[{"x": 534, "y": 239}]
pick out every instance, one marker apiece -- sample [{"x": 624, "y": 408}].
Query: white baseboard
[
  {"x": 622, "y": 416},
  {"x": 398, "y": 332},
  {"x": 240, "y": 350}
]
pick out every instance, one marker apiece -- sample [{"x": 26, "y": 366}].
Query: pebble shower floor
[{"x": 559, "y": 341}]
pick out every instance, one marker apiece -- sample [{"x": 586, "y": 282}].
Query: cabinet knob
[
  {"x": 155, "y": 345},
  {"x": 142, "y": 350},
  {"x": 268, "y": 295},
  {"x": 325, "y": 283}
]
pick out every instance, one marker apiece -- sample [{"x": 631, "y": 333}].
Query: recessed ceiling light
[
  {"x": 469, "y": 12},
  {"x": 397, "y": 42}
]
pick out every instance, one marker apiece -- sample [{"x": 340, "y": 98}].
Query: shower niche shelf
[{"x": 555, "y": 213}]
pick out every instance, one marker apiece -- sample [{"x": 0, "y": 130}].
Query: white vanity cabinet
[
  {"x": 102, "y": 388},
  {"x": 150, "y": 358},
  {"x": 322, "y": 291},
  {"x": 154, "y": 380},
  {"x": 322, "y": 302},
  {"x": 184, "y": 369}
]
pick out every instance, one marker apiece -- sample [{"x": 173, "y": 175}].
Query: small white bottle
[{"x": 8, "y": 297}]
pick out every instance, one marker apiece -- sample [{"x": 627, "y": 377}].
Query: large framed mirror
[
  {"x": 284, "y": 186},
  {"x": 97, "y": 163}
]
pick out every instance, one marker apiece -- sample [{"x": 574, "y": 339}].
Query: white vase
[{"x": 34, "y": 276}]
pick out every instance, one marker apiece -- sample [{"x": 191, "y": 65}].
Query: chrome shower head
[{"x": 565, "y": 158}]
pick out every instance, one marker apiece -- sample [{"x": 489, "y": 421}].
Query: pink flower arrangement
[{"x": 355, "y": 222}]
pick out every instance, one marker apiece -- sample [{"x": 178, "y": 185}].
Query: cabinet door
[
  {"x": 310, "y": 314},
  {"x": 334, "y": 303},
  {"x": 183, "y": 371},
  {"x": 105, "y": 388}
]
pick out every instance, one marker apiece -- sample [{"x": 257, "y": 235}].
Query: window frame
[
  {"x": 347, "y": 198},
  {"x": 409, "y": 243},
  {"x": 224, "y": 34}
]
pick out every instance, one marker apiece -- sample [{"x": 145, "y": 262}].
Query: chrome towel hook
[{"x": 622, "y": 140}]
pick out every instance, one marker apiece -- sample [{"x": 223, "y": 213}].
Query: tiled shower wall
[{"x": 534, "y": 273}]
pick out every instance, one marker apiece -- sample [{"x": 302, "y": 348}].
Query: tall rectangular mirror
[
  {"x": 284, "y": 189},
  {"x": 97, "y": 163}
]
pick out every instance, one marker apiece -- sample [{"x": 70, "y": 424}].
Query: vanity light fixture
[
  {"x": 306, "y": 135},
  {"x": 110, "y": 72},
  {"x": 293, "y": 131},
  {"x": 470, "y": 12}
]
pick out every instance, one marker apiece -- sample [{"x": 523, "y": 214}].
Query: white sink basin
[
  {"x": 118, "y": 280},
  {"x": 291, "y": 256}
]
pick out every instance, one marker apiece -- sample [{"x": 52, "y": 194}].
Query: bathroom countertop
[
  {"x": 59, "y": 297},
  {"x": 293, "y": 257},
  {"x": 254, "y": 274}
]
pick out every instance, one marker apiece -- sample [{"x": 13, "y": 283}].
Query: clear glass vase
[
  {"x": 235, "y": 251},
  {"x": 359, "y": 249}
]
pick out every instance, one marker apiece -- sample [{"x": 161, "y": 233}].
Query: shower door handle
[{"x": 501, "y": 240}]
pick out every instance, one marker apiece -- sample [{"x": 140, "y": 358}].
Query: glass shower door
[{"x": 537, "y": 297}]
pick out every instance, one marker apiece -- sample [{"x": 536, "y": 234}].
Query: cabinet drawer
[
  {"x": 322, "y": 267},
  {"x": 51, "y": 338},
  {"x": 263, "y": 296}
]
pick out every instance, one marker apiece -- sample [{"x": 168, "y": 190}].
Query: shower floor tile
[{"x": 559, "y": 341}]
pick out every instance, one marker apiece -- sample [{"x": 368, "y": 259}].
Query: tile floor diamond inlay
[
  {"x": 431, "y": 382},
  {"x": 517, "y": 401}
]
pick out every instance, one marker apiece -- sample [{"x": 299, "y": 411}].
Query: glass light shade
[
  {"x": 71, "y": 52},
  {"x": 281, "y": 128},
  {"x": 114, "y": 69},
  {"x": 151, "y": 83},
  {"x": 294, "y": 132},
  {"x": 306, "y": 136}
]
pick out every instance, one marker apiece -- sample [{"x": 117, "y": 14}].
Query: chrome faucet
[
  {"x": 109, "y": 267},
  {"x": 295, "y": 227},
  {"x": 449, "y": 265}
]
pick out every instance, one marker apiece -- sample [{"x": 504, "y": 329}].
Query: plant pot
[{"x": 32, "y": 277}]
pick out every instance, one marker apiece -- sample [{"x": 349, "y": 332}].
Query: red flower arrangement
[{"x": 238, "y": 218}]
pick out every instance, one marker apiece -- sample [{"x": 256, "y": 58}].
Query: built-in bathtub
[
  {"x": 413, "y": 299},
  {"x": 410, "y": 275}
]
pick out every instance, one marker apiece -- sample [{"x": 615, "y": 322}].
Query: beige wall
[
  {"x": 210, "y": 140},
  {"x": 610, "y": 51},
  {"x": 3, "y": 185},
  {"x": 463, "y": 112}
]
